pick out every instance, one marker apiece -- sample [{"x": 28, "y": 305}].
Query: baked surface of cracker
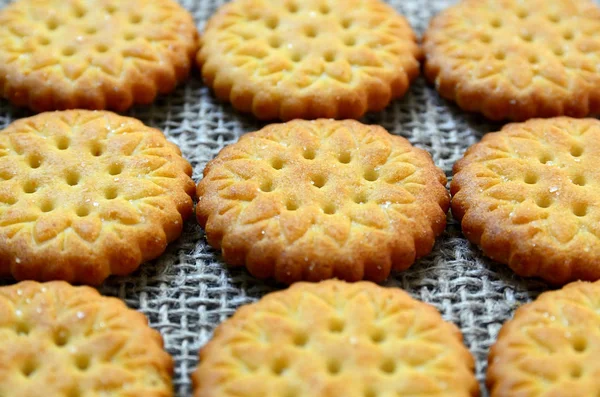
[
  {"x": 93, "y": 54},
  {"x": 86, "y": 194},
  {"x": 512, "y": 59},
  {"x": 528, "y": 195},
  {"x": 308, "y": 59},
  {"x": 550, "y": 347},
  {"x": 60, "y": 340},
  {"x": 336, "y": 339},
  {"x": 310, "y": 200}
]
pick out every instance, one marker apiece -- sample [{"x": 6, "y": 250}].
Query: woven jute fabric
[{"x": 189, "y": 290}]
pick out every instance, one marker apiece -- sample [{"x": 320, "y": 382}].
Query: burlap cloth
[{"x": 189, "y": 290}]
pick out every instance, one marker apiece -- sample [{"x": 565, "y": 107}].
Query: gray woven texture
[{"x": 189, "y": 290}]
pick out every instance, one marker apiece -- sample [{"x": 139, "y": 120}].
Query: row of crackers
[{"x": 88, "y": 194}]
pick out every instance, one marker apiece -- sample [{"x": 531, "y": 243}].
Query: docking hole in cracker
[
  {"x": 550, "y": 347},
  {"x": 311, "y": 200},
  {"x": 513, "y": 59},
  {"x": 60, "y": 340},
  {"x": 86, "y": 194},
  {"x": 93, "y": 54},
  {"x": 287, "y": 59},
  {"x": 336, "y": 339},
  {"x": 528, "y": 196}
]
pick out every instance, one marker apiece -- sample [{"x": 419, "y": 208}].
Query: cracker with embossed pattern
[
  {"x": 550, "y": 347},
  {"x": 286, "y": 59},
  {"x": 93, "y": 54},
  {"x": 528, "y": 195},
  {"x": 513, "y": 59},
  {"x": 86, "y": 194},
  {"x": 336, "y": 339},
  {"x": 60, "y": 340},
  {"x": 310, "y": 200}
]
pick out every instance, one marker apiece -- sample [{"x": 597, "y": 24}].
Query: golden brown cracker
[
  {"x": 336, "y": 339},
  {"x": 60, "y": 340},
  {"x": 512, "y": 59},
  {"x": 550, "y": 347},
  {"x": 93, "y": 54},
  {"x": 86, "y": 194},
  {"x": 528, "y": 195},
  {"x": 310, "y": 200},
  {"x": 308, "y": 59}
]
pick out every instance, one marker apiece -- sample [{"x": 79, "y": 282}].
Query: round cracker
[
  {"x": 93, "y": 54},
  {"x": 550, "y": 347},
  {"x": 86, "y": 194},
  {"x": 528, "y": 195},
  {"x": 60, "y": 340},
  {"x": 310, "y": 200},
  {"x": 308, "y": 59},
  {"x": 512, "y": 59},
  {"x": 336, "y": 338}
]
